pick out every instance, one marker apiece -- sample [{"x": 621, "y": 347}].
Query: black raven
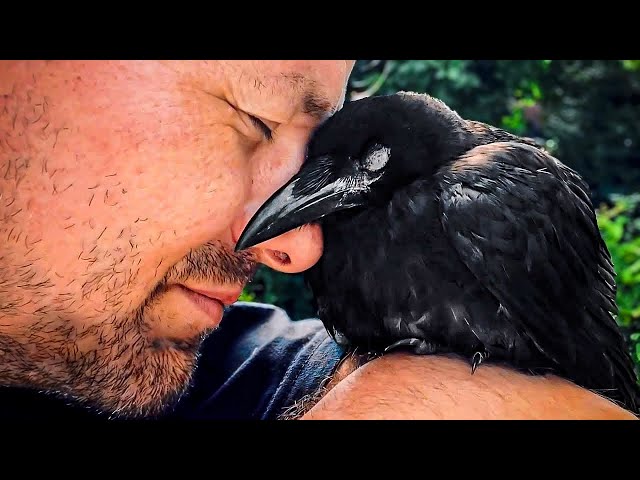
[{"x": 443, "y": 234}]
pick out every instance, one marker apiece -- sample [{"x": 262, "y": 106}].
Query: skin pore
[{"x": 124, "y": 187}]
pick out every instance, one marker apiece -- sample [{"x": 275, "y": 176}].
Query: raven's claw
[{"x": 476, "y": 361}]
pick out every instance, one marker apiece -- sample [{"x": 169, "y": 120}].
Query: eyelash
[{"x": 266, "y": 131}]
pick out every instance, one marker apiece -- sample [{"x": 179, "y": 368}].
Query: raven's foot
[
  {"x": 477, "y": 359},
  {"x": 417, "y": 345}
]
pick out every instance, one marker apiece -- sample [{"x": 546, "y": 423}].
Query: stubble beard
[{"x": 114, "y": 367}]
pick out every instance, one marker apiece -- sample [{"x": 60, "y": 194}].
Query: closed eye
[
  {"x": 377, "y": 157},
  {"x": 266, "y": 131}
]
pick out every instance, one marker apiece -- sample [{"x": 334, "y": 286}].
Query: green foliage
[
  {"x": 587, "y": 111},
  {"x": 497, "y": 92},
  {"x": 619, "y": 224},
  {"x": 631, "y": 64},
  {"x": 620, "y": 227},
  {"x": 284, "y": 290}
]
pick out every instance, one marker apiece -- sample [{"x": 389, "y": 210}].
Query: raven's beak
[{"x": 297, "y": 203}]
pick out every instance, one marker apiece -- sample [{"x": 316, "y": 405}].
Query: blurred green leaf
[
  {"x": 246, "y": 296},
  {"x": 622, "y": 236},
  {"x": 514, "y": 122},
  {"x": 536, "y": 93}
]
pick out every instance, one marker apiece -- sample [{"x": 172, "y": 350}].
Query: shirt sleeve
[{"x": 257, "y": 364}]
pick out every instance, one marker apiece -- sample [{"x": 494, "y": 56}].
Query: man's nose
[
  {"x": 291, "y": 252},
  {"x": 272, "y": 166}
]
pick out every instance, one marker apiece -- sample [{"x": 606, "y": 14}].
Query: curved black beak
[{"x": 297, "y": 203}]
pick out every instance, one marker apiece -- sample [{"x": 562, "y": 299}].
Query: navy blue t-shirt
[{"x": 255, "y": 365}]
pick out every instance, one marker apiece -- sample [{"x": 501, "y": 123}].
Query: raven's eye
[{"x": 376, "y": 158}]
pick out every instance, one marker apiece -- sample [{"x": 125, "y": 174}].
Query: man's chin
[
  {"x": 150, "y": 376},
  {"x": 190, "y": 346},
  {"x": 150, "y": 388}
]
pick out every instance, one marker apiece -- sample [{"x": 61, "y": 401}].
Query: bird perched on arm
[{"x": 445, "y": 235}]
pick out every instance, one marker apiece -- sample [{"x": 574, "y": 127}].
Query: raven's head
[{"x": 360, "y": 156}]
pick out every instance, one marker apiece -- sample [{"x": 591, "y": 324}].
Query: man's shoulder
[
  {"x": 263, "y": 364},
  {"x": 405, "y": 386}
]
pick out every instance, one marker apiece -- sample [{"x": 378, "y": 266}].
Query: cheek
[
  {"x": 167, "y": 182},
  {"x": 112, "y": 207},
  {"x": 204, "y": 191},
  {"x": 191, "y": 187}
]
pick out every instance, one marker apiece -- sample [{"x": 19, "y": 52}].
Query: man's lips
[
  {"x": 191, "y": 312},
  {"x": 226, "y": 296}
]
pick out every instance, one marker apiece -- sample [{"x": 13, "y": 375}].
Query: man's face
[{"x": 123, "y": 189}]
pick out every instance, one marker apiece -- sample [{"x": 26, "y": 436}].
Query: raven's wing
[{"x": 524, "y": 225}]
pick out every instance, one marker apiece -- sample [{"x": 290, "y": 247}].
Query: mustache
[{"x": 213, "y": 262}]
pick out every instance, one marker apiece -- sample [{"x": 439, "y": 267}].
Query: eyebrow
[{"x": 314, "y": 103}]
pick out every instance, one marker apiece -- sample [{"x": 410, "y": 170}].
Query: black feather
[
  {"x": 557, "y": 293},
  {"x": 471, "y": 240}
]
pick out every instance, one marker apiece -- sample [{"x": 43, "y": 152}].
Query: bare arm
[{"x": 401, "y": 386}]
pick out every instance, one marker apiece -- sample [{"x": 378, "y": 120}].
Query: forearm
[{"x": 402, "y": 386}]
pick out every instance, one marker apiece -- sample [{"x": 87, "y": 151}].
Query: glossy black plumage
[{"x": 448, "y": 235}]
